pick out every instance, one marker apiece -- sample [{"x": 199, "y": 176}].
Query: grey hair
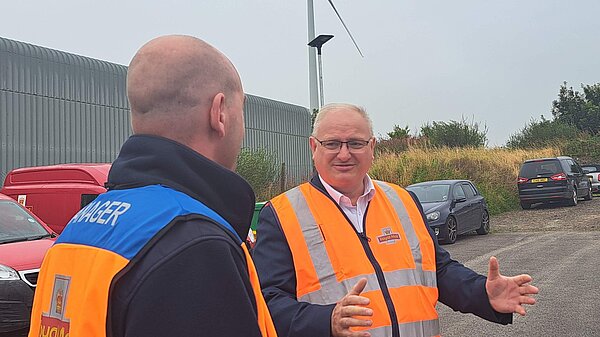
[{"x": 336, "y": 106}]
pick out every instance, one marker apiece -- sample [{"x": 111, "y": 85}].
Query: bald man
[{"x": 161, "y": 253}]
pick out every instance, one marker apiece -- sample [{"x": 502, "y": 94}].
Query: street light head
[{"x": 320, "y": 41}]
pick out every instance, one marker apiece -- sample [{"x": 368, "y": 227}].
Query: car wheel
[
  {"x": 452, "y": 228},
  {"x": 525, "y": 205},
  {"x": 573, "y": 200},
  {"x": 588, "y": 196},
  {"x": 485, "y": 224}
]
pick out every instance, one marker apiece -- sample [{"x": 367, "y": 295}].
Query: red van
[
  {"x": 24, "y": 240},
  {"x": 56, "y": 193}
]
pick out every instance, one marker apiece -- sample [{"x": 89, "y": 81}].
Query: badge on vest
[
  {"x": 388, "y": 236},
  {"x": 54, "y": 322}
]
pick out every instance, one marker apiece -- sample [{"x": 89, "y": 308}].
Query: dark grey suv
[{"x": 552, "y": 179}]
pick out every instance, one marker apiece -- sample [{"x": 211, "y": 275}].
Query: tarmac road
[{"x": 564, "y": 266}]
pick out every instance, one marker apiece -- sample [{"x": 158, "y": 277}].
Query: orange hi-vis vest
[
  {"x": 100, "y": 242},
  {"x": 395, "y": 253}
]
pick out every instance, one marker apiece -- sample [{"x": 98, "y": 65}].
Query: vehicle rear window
[
  {"x": 592, "y": 168},
  {"x": 540, "y": 168}
]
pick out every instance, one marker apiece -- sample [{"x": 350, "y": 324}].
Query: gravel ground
[{"x": 583, "y": 217}]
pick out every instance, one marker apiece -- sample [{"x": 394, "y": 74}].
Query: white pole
[
  {"x": 321, "y": 96},
  {"x": 312, "y": 64}
]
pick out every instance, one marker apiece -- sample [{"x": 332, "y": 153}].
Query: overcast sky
[{"x": 499, "y": 63}]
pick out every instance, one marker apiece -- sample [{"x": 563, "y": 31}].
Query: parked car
[
  {"x": 593, "y": 171},
  {"x": 452, "y": 208},
  {"x": 551, "y": 180},
  {"x": 24, "y": 240}
]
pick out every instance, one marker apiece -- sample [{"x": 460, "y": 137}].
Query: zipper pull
[{"x": 364, "y": 237}]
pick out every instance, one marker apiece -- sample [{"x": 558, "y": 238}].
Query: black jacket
[
  {"x": 191, "y": 279},
  {"x": 459, "y": 287}
]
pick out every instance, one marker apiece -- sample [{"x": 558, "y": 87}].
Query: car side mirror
[{"x": 458, "y": 200}]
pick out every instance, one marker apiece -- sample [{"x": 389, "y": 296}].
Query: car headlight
[
  {"x": 433, "y": 216},
  {"x": 8, "y": 274}
]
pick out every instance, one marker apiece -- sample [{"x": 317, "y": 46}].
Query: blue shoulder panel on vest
[{"x": 123, "y": 221}]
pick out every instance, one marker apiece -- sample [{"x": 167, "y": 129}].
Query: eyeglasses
[{"x": 354, "y": 145}]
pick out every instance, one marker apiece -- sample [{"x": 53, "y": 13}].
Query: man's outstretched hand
[{"x": 508, "y": 294}]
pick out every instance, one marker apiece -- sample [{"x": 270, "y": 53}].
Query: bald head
[
  {"x": 182, "y": 88},
  {"x": 172, "y": 77}
]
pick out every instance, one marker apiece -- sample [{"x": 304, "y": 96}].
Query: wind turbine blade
[{"x": 345, "y": 27}]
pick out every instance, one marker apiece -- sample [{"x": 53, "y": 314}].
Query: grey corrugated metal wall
[
  {"x": 282, "y": 129},
  {"x": 57, "y": 107}
]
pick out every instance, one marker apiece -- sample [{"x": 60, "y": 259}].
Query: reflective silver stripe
[
  {"x": 382, "y": 331},
  {"x": 409, "y": 277},
  {"x": 412, "y": 329},
  {"x": 420, "y": 328},
  {"x": 393, "y": 279},
  {"x": 322, "y": 297},
  {"x": 330, "y": 291}
]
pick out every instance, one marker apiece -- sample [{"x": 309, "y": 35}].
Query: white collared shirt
[{"x": 354, "y": 213}]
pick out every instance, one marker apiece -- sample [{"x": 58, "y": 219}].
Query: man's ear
[
  {"x": 373, "y": 143},
  {"x": 217, "y": 114},
  {"x": 313, "y": 143}
]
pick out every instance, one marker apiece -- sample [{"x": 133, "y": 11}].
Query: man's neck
[{"x": 335, "y": 192}]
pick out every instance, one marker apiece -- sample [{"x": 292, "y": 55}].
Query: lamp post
[
  {"x": 313, "y": 82},
  {"x": 318, "y": 42}
]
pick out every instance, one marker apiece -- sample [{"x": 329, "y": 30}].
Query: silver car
[{"x": 593, "y": 171}]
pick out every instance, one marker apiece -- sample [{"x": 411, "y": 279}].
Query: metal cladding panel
[
  {"x": 57, "y": 107},
  {"x": 282, "y": 129}
]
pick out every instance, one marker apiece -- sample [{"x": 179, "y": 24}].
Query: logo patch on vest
[
  {"x": 54, "y": 322},
  {"x": 388, "y": 236}
]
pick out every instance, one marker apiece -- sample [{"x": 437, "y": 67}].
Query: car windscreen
[
  {"x": 18, "y": 225},
  {"x": 540, "y": 168},
  {"x": 431, "y": 193}
]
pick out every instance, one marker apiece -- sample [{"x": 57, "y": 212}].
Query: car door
[
  {"x": 460, "y": 209},
  {"x": 579, "y": 179},
  {"x": 475, "y": 202}
]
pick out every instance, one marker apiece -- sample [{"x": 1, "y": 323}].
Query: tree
[
  {"x": 539, "y": 134},
  {"x": 580, "y": 110},
  {"x": 259, "y": 168},
  {"x": 399, "y": 133},
  {"x": 455, "y": 134}
]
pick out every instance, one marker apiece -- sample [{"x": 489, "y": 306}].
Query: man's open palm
[{"x": 508, "y": 294}]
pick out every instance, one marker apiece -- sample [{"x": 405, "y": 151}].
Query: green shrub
[
  {"x": 545, "y": 133},
  {"x": 259, "y": 167},
  {"x": 455, "y": 134}
]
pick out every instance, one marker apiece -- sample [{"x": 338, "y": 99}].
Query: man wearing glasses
[{"x": 343, "y": 255}]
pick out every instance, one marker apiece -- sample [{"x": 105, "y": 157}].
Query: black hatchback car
[
  {"x": 552, "y": 179},
  {"x": 452, "y": 208}
]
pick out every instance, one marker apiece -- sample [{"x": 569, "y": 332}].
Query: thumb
[
  {"x": 494, "y": 269},
  {"x": 358, "y": 287}
]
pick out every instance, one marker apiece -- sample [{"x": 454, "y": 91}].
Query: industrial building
[{"x": 57, "y": 107}]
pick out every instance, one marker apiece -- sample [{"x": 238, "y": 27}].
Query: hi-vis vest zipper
[
  {"x": 395, "y": 254},
  {"x": 71, "y": 298}
]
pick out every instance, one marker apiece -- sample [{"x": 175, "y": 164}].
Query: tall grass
[{"x": 493, "y": 171}]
